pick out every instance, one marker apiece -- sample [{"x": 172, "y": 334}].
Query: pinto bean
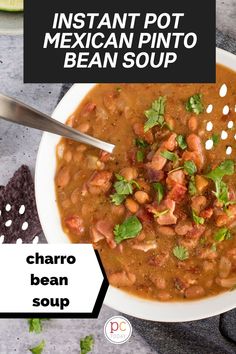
[
  {"x": 131, "y": 205},
  {"x": 141, "y": 197},
  {"x": 224, "y": 267},
  {"x": 208, "y": 266},
  {"x": 68, "y": 156},
  {"x": 75, "y": 195},
  {"x": 159, "y": 281},
  {"x": 226, "y": 282},
  {"x": 118, "y": 210},
  {"x": 84, "y": 127},
  {"x": 129, "y": 173},
  {"x": 183, "y": 227},
  {"x": 120, "y": 279},
  {"x": 222, "y": 220},
  {"x": 163, "y": 295},
  {"x": 194, "y": 291},
  {"x": 192, "y": 123},
  {"x": 194, "y": 142},
  {"x": 81, "y": 148},
  {"x": 63, "y": 177},
  {"x": 207, "y": 253},
  {"x": 166, "y": 230},
  {"x": 198, "y": 203}
]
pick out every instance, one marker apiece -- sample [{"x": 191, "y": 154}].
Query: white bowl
[{"x": 51, "y": 224}]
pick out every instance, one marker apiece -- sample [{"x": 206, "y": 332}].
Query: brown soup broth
[{"x": 146, "y": 265}]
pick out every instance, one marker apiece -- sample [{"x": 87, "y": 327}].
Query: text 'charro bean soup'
[{"x": 161, "y": 209}]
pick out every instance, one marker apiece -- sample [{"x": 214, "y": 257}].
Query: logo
[{"x": 117, "y": 330}]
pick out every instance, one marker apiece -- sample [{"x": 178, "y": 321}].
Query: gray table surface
[{"x": 19, "y": 145}]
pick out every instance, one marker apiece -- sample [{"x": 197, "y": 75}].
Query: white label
[{"x": 69, "y": 283}]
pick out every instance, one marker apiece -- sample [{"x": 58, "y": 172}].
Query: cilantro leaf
[
  {"x": 123, "y": 188},
  {"x": 39, "y": 348},
  {"x": 215, "y": 138},
  {"x": 169, "y": 155},
  {"x": 141, "y": 143},
  {"x": 159, "y": 188},
  {"x": 86, "y": 344},
  {"x": 197, "y": 219},
  {"x": 221, "y": 192},
  {"x": 190, "y": 167},
  {"x": 180, "y": 252},
  {"x": 35, "y": 324},
  {"x": 139, "y": 156},
  {"x": 192, "y": 190},
  {"x": 194, "y": 104},
  {"x": 155, "y": 114},
  {"x": 226, "y": 168},
  {"x": 222, "y": 234},
  {"x": 117, "y": 199},
  {"x": 130, "y": 228},
  {"x": 181, "y": 142}
]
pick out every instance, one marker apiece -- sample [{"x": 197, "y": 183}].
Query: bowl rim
[{"x": 46, "y": 204}]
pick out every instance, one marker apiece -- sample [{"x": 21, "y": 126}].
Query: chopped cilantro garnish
[
  {"x": 194, "y": 104},
  {"x": 159, "y": 188},
  {"x": 226, "y": 168},
  {"x": 180, "y": 252},
  {"x": 119, "y": 89},
  {"x": 117, "y": 199},
  {"x": 39, "y": 348},
  {"x": 222, "y": 234},
  {"x": 86, "y": 344},
  {"x": 123, "y": 188},
  {"x": 140, "y": 156},
  {"x": 130, "y": 228},
  {"x": 141, "y": 143},
  {"x": 181, "y": 142},
  {"x": 192, "y": 190},
  {"x": 190, "y": 167},
  {"x": 35, "y": 324},
  {"x": 197, "y": 219},
  {"x": 169, "y": 155},
  {"x": 155, "y": 114}
]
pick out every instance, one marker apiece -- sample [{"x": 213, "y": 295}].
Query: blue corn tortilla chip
[{"x": 18, "y": 216}]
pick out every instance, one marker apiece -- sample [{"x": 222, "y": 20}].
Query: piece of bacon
[
  {"x": 177, "y": 193},
  {"x": 75, "y": 224}
]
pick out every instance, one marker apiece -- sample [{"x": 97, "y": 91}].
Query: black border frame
[{"x": 60, "y": 315}]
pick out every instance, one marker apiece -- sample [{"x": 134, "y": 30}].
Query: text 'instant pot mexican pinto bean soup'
[{"x": 161, "y": 210}]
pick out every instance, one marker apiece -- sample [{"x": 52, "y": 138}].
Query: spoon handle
[{"x": 18, "y": 112}]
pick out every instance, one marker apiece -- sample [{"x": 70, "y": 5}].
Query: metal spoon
[{"x": 17, "y": 112}]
